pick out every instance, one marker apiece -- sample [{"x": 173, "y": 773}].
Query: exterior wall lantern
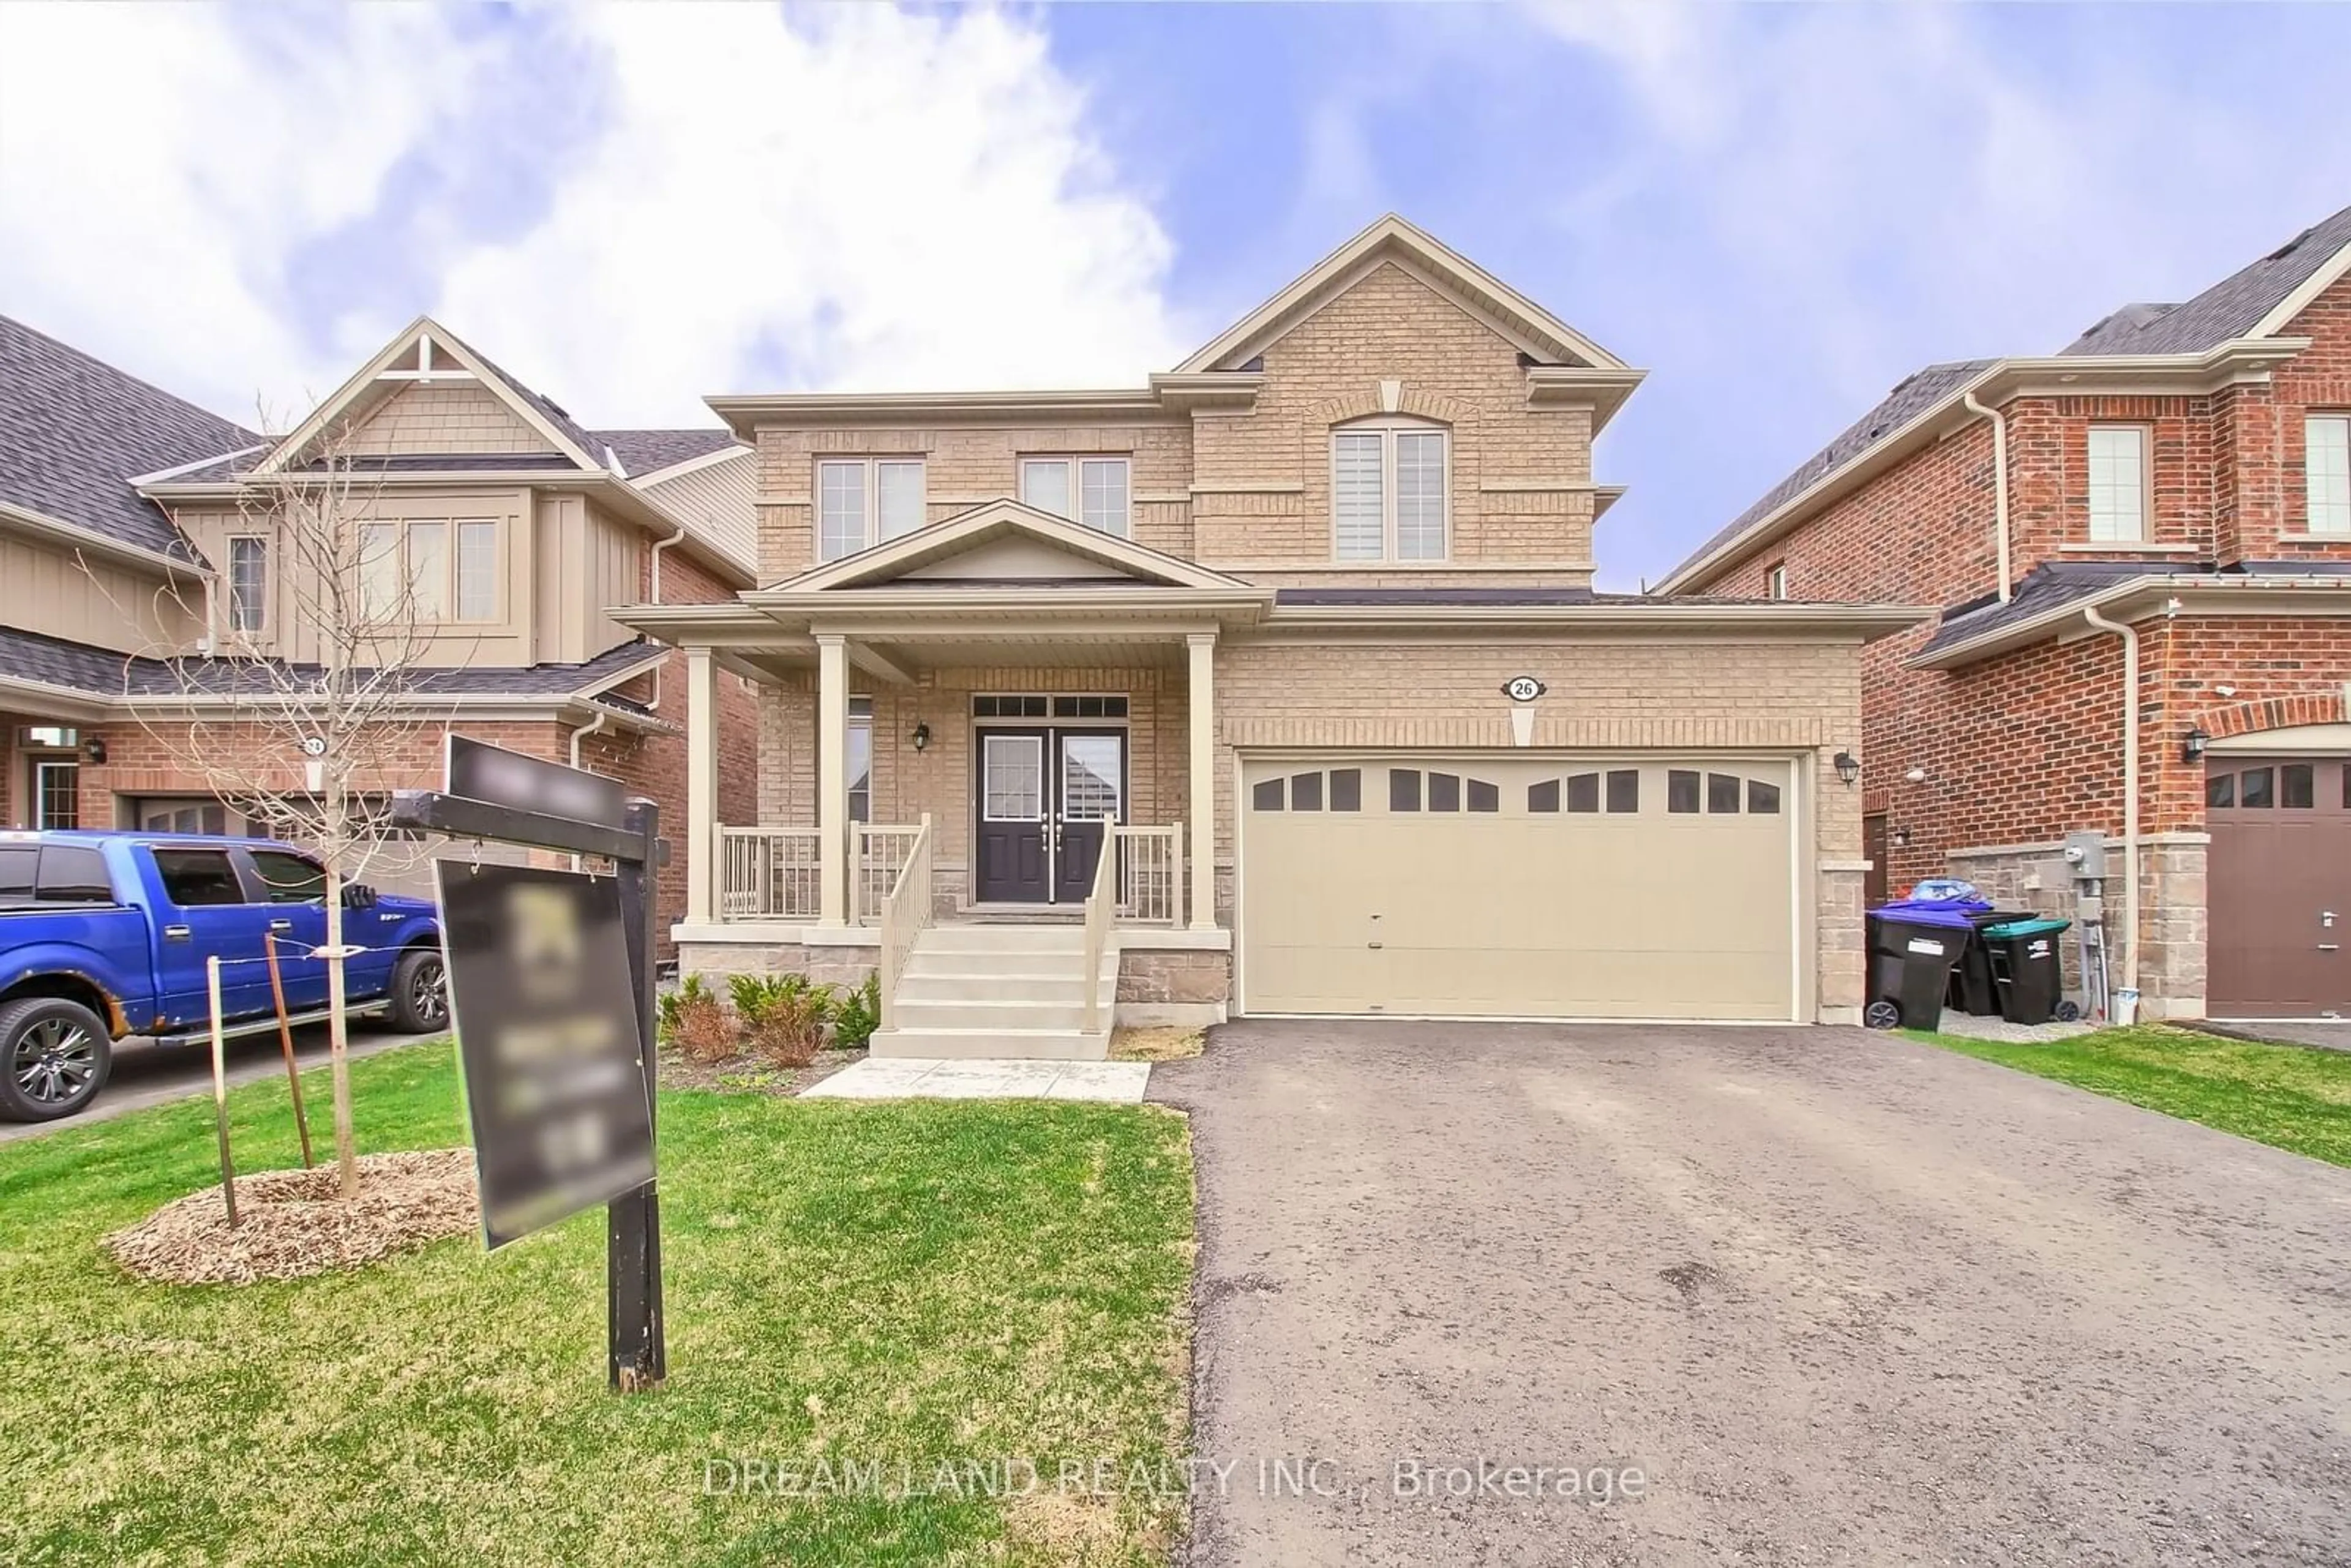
[
  {"x": 94, "y": 748},
  {"x": 1848, "y": 767},
  {"x": 2192, "y": 750},
  {"x": 922, "y": 737}
]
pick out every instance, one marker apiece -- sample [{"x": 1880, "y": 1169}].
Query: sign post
[{"x": 551, "y": 990}]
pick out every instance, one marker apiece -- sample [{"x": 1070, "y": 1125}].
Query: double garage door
[{"x": 1448, "y": 886}]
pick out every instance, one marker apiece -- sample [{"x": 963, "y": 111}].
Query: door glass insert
[
  {"x": 1012, "y": 777},
  {"x": 1090, "y": 785}
]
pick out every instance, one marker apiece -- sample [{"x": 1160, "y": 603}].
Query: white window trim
[
  {"x": 870, "y": 471},
  {"x": 2311, "y": 523},
  {"x": 1388, "y": 428},
  {"x": 453, "y": 531},
  {"x": 261, "y": 626},
  {"x": 2146, "y": 439},
  {"x": 1073, "y": 465},
  {"x": 1775, "y": 580}
]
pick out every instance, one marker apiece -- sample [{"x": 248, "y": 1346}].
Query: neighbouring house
[
  {"x": 1305, "y": 629},
  {"x": 2146, "y": 536},
  {"x": 136, "y": 535}
]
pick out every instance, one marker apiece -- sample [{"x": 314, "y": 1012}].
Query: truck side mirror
[{"x": 358, "y": 895}]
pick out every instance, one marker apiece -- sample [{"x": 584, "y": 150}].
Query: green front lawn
[
  {"x": 2285, "y": 1095},
  {"x": 870, "y": 1284}
]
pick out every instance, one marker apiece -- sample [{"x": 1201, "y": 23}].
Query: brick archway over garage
[{"x": 2332, "y": 707}]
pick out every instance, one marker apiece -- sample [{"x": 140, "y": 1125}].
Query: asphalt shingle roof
[
  {"x": 2230, "y": 308},
  {"x": 74, "y": 431},
  {"x": 1909, "y": 399},
  {"x": 644, "y": 452},
  {"x": 101, "y": 672}
]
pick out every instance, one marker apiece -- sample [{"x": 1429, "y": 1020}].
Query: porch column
[
  {"x": 702, "y": 847},
  {"x": 1200, "y": 701},
  {"x": 832, "y": 779}
]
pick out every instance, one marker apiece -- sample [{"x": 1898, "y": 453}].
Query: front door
[
  {"x": 1014, "y": 810},
  {"x": 1046, "y": 799},
  {"x": 1091, "y": 781}
]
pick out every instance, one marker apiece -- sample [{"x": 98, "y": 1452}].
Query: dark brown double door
[
  {"x": 2278, "y": 887},
  {"x": 1046, "y": 797}
]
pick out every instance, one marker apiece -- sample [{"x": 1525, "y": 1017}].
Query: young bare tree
[{"x": 315, "y": 691}]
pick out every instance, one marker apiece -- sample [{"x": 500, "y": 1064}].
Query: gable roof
[
  {"x": 892, "y": 561},
  {"x": 2239, "y": 306},
  {"x": 1537, "y": 333},
  {"x": 2255, "y": 302},
  {"x": 421, "y": 337},
  {"x": 75, "y": 433}
]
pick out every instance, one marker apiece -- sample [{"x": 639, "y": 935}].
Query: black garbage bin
[
  {"x": 1911, "y": 951},
  {"x": 1971, "y": 990},
  {"x": 2025, "y": 968}
]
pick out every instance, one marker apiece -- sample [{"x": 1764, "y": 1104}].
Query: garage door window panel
[
  {"x": 1403, "y": 789},
  {"x": 1483, "y": 797},
  {"x": 1445, "y": 791},
  {"x": 1265, "y": 795},
  {"x": 1763, "y": 800},
  {"x": 2256, "y": 789},
  {"x": 1623, "y": 791},
  {"x": 1306, "y": 792},
  {"x": 1347, "y": 788},
  {"x": 1723, "y": 791},
  {"x": 1681, "y": 791},
  {"x": 2297, "y": 787}
]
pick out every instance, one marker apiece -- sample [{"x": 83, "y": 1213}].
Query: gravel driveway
[{"x": 1835, "y": 1297}]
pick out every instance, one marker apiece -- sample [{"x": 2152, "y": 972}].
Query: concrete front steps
[{"x": 1000, "y": 991}]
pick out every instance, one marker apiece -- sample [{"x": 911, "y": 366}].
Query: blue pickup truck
[{"x": 106, "y": 935}]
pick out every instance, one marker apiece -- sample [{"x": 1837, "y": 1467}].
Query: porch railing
[
  {"x": 905, "y": 911},
  {"x": 1150, "y": 874},
  {"x": 877, "y": 853},
  {"x": 1101, "y": 908},
  {"x": 767, "y": 873}
]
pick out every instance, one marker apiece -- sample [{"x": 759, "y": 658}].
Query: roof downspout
[
  {"x": 593, "y": 726},
  {"x": 2129, "y": 635},
  {"x": 653, "y": 703},
  {"x": 1999, "y": 479}
]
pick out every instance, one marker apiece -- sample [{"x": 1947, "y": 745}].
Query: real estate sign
[{"x": 548, "y": 1038}]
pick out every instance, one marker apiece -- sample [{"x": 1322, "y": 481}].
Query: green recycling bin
[{"x": 2026, "y": 976}]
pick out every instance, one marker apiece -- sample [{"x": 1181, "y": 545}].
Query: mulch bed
[
  {"x": 293, "y": 1224},
  {"x": 748, "y": 1074}
]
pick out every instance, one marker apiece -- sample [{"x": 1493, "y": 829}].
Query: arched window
[{"x": 1389, "y": 490}]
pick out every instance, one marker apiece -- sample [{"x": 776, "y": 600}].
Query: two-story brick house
[
  {"x": 2142, "y": 545},
  {"x": 141, "y": 558},
  {"x": 1305, "y": 628}
]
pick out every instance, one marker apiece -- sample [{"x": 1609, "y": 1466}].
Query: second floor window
[
  {"x": 1089, "y": 490},
  {"x": 1387, "y": 492},
  {"x": 2326, "y": 465},
  {"x": 1775, "y": 582},
  {"x": 249, "y": 582},
  {"x": 861, "y": 501},
  {"x": 413, "y": 569},
  {"x": 2117, "y": 455}
]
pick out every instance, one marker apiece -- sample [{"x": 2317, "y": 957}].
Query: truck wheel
[
  {"x": 54, "y": 1056},
  {"x": 420, "y": 991}
]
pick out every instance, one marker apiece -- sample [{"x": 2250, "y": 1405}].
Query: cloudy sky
[{"x": 1779, "y": 210}]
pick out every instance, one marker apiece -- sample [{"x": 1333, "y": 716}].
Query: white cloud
[{"x": 846, "y": 197}]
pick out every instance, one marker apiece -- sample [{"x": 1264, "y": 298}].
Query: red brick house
[{"x": 2142, "y": 548}]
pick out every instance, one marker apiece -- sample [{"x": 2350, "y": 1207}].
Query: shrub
[
  {"x": 783, "y": 1016},
  {"x": 857, "y": 1015},
  {"x": 690, "y": 1019}
]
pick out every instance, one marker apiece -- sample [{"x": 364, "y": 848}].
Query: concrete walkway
[
  {"x": 1836, "y": 1296},
  {"x": 909, "y": 1078},
  {"x": 2320, "y": 1035}
]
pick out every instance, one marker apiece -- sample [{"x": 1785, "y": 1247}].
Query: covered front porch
[{"x": 1003, "y": 720}]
